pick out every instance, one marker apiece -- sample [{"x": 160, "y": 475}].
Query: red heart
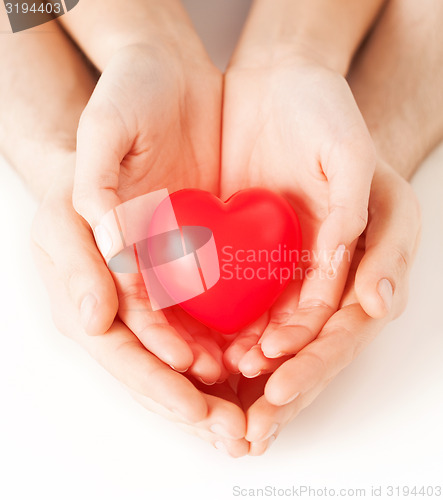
[{"x": 258, "y": 240}]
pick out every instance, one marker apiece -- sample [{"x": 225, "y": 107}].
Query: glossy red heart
[{"x": 258, "y": 239}]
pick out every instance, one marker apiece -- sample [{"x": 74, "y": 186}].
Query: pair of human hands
[
  {"x": 154, "y": 121},
  {"x": 280, "y": 131}
]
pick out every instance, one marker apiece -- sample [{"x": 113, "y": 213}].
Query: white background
[{"x": 70, "y": 431}]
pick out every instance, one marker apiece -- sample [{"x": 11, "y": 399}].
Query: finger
[
  {"x": 102, "y": 143},
  {"x": 68, "y": 242},
  {"x": 129, "y": 361},
  {"x": 349, "y": 169},
  {"x": 233, "y": 447},
  {"x": 236, "y": 448},
  {"x": 299, "y": 381},
  {"x": 264, "y": 420},
  {"x": 215, "y": 352},
  {"x": 206, "y": 366},
  {"x": 254, "y": 363},
  {"x": 121, "y": 353},
  {"x": 243, "y": 342},
  {"x": 340, "y": 341},
  {"x": 391, "y": 242},
  {"x": 225, "y": 417},
  {"x": 150, "y": 327},
  {"x": 257, "y": 448},
  {"x": 295, "y": 324}
]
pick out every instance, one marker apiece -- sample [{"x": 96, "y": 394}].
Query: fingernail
[
  {"x": 272, "y": 355},
  {"x": 177, "y": 370},
  {"x": 205, "y": 382},
  {"x": 252, "y": 376},
  {"x": 220, "y": 446},
  {"x": 271, "y": 431},
  {"x": 336, "y": 259},
  {"x": 87, "y": 309},
  {"x": 292, "y": 398},
  {"x": 386, "y": 292},
  {"x": 220, "y": 431},
  {"x": 102, "y": 239}
]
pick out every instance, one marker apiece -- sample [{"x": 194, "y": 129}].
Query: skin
[
  {"x": 62, "y": 240},
  {"x": 133, "y": 154},
  {"x": 284, "y": 90},
  {"x": 170, "y": 138},
  {"x": 47, "y": 163},
  {"x": 398, "y": 122}
]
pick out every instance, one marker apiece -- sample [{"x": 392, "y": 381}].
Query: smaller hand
[
  {"x": 385, "y": 252},
  {"x": 152, "y": 122},
  {"x": 70, "y": 265},
  {"x": 296, "y": 128}
]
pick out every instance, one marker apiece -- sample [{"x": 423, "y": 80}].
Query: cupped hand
[
  {"x": 68, "y": 260},
  {"x": 153, "y": 122},
  {"x": 295, "y": 128},
  {"x": 385, "y": 252}
]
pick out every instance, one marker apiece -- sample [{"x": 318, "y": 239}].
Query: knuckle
[
  {"x": 317, "y": 360},
  {"x": 80, "y": 200},
  {"x": 153, "y": 371},
  {"x": 360, "y": 220},
  {"x": 134, "y": 293},
  {"x": 73, "y": 278},
  {"x": 400, "y": 258},
  {"x": 349, "y": 343},
  {"x": 354, "y": 219}
]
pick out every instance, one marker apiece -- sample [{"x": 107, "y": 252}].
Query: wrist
[
  {"x": 325, "y": 31},
  {"x": 136, "y": 23},
  {"x": 289, "y": 53}
]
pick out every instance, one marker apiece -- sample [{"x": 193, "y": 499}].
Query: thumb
[
  {"x": 68, "y": 242},
  {"x": 349, "y": 170},
  {"x": 102, "y": 143},
  {"x": 391, "y": 242}
]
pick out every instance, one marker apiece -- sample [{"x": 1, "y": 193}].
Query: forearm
[
  {"x": 131, "y": 22},
  {"x": 44, "y": 86},
  {"x": 328, "y": 31},
  {"x": 398, "y": 82}
]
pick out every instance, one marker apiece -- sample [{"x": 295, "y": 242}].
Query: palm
[
  {"x": 160, "y": 121},
  {"x": 275, "y": 138},
  {"x": 171, "y": 130}
]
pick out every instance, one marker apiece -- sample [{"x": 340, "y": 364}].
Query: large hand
[
  {"x": 68, "y": 261},
  {"x": 295, "y": 128},
  {"x": 152, "y": 122},
  {"x": 385, "y": 251}
]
